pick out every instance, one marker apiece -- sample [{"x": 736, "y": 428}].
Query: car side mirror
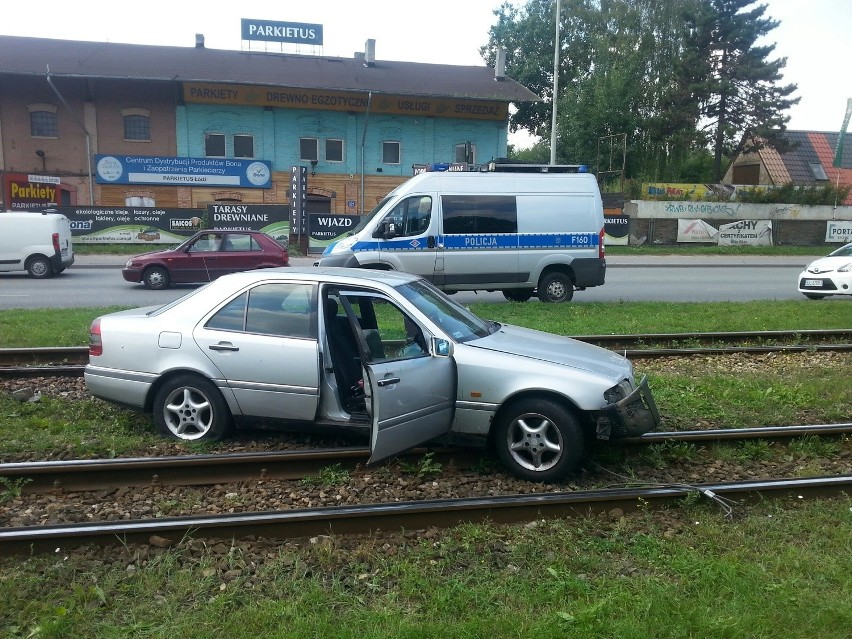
[
  {"x": 442, "y": 347},
  {"x": 386, "y": 230}
]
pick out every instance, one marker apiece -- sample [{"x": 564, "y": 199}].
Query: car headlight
[
  {"x": 845, "y": 268},
  {"x": 619, "y": 391},
  {"x": 128, "y": 264}
]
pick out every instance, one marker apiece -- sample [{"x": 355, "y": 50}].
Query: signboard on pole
[{"x": 298, "y": 197}]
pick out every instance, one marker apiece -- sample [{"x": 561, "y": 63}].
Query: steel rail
[
  {"x": 80, "y": 354},
  {"x": 197, "y": 470},
  {"x": 417, "y": 515}
]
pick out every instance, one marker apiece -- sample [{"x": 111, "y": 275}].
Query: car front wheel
[
  {"x": 39, "y": 267},
  {"x": 191, "y": 408},
  {"x": 156, "y": 278},
  {"x": 539, "y": 440},
  {"x": 517, "y": 294},
  {"x": 555, "y": 287}
]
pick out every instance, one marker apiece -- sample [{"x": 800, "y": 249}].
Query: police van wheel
[
  {"x": 538, "y": 440},
  {"x": 518, "y": 294},
  {"x": 555, "y": 287}
]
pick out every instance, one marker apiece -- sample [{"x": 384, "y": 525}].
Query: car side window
[
  {"x": 285, "y": 310},
  {"x": 389, "y": 333},
  {"x": 207, "y": 243},
  {"x": 411, "y": 216},
  {"x": 239, "y": 242}
]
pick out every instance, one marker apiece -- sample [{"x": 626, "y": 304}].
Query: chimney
[
  {"x": 370, "y": 53},
  {"x": 199, "y": 40},
  {"x": 500, "y": 64}
]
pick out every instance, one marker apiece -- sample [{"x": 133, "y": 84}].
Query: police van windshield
[{"x": 366, "y": 219}]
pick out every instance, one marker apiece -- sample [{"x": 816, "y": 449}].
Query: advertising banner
[
  {"x": 270, "y": 218},
  {"x": 325, "y": 229},
  {"x": 131, "y": 225},
  {"x": 291, "y": 32},
  {"x": 695, "y": 231},
  {"x": 616, "y": 229},
  {"x": 838, "y": 231},
  {"x": 746, "y": 233},
  {"x": 298, "y": 199},
  {"x": 31, "y": 192},
  {"x": 179, "y": 171}
]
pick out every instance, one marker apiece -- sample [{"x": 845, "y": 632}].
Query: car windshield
[
  {"x": 366, "y": 219},
  {"x": 456, "y": 320},
  {"x": 843, "y": 251}
]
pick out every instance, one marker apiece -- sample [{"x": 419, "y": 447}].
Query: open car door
[{"x": 410, "y": 382}]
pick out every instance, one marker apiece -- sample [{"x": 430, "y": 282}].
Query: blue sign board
[
  {"x": 270, "y": 31},
  {"x": 178, "y": 171}
]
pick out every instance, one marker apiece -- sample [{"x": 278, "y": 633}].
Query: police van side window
[
  {"x": 479, "y": 214},
  {"x": 411, "y": 216}
]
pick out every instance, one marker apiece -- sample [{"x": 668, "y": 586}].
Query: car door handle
[
  {"x": 387, "y": 381},
  {"x": 223, "y": 346}
]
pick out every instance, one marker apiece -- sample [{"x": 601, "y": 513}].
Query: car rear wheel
[
  {"x": 156, "y": 278},
  {"x": 39, "y": 267},
  {"x": 518, "y": 294},
  {"x": 555, "y": 287},
  {"x": 539, "y": 440},
  {"x": 190, "y": 408}
]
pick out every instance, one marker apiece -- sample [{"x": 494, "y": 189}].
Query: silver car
[{"x": 383, "y": 352}]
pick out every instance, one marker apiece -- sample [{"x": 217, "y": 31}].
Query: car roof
[{"x": 337, "y": 274}]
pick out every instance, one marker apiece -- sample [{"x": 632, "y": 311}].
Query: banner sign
[
  {"x": 269, "y": 218},
  {"x": 131, "y": 225},
  {"x": 746, "y": 233},
  {"x": 330, "y": 100},
  {"x": 837, "y": 231},
  {"x": 269, "y": 31},
  {"x": 181, "y": 171},
  {"x": 695, "y": 231},
  {"x": 25, "y": 194},
  {"x": 325, "y": 228},
  {"x": 616, "y": 229},
  {"x": 298, "y": 198}
]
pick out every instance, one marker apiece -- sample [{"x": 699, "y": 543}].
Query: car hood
[
  {"x": 525, "y": 342},
  {"x": 826, "y": 264},
  {"x": 153, "y": 254}
]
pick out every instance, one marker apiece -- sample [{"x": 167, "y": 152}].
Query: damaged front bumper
[{"x": 630, "y": 416}]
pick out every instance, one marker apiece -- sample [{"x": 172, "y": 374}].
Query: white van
[
  {"x": 522, "y": 233},
  {"x": 39, "y": 243}
]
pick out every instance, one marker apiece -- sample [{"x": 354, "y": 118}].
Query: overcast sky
[{"x": 814, "y": 35}]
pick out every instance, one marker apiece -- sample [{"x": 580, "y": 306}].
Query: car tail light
[
  {"x": 56, "y": 243},
  {"x": 601, "y": 250},
  {"x": 285, "y": 258},
  {"x": 96, "y": 345}
]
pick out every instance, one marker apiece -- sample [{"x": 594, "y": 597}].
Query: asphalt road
[{"x": 97, "y": 281}]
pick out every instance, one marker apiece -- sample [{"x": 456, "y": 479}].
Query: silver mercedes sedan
[{"x": 383, "y": 352}]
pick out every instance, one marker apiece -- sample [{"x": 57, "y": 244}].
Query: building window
[
  {"x": 43, "y": 124},
  {"x": 243, "y": 146},
  {"x": 308, "y": 149},
  {"x": 137, "y": 128},
  {"x": 746, "y": 174},
  {"x": 390, "y": 152},
  {"x": 214, "y": 145},
  {"x": 334, "y": 150},
  {"x": 465, "y": 153}
]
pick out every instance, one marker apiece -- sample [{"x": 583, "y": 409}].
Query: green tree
[{"x": 734, "y": 83}]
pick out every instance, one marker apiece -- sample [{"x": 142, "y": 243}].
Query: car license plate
[{"x": 817, "y": 283}]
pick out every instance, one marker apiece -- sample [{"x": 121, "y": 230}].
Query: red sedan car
[{"x": 206, "y": 256}]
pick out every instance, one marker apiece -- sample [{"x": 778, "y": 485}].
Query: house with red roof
[{"x": 808, "y": 162}]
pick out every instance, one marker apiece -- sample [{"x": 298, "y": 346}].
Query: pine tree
[{"x": 734, "y": 82}]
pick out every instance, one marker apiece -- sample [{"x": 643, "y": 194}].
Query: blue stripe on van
[{"x": 484, "y": 241}]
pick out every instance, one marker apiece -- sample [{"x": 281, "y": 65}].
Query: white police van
[{"x": 520, "y": 229}]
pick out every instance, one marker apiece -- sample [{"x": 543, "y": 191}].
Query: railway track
[
  {"x": 70, "y": 360},
  {"x": 197, "y": 470},
  {"x": 413, "y": 515}
]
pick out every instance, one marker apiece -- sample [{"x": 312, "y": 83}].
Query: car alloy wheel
[
  {"x": 538, "y": 440},
  {"x": 191, "y": 408}
]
